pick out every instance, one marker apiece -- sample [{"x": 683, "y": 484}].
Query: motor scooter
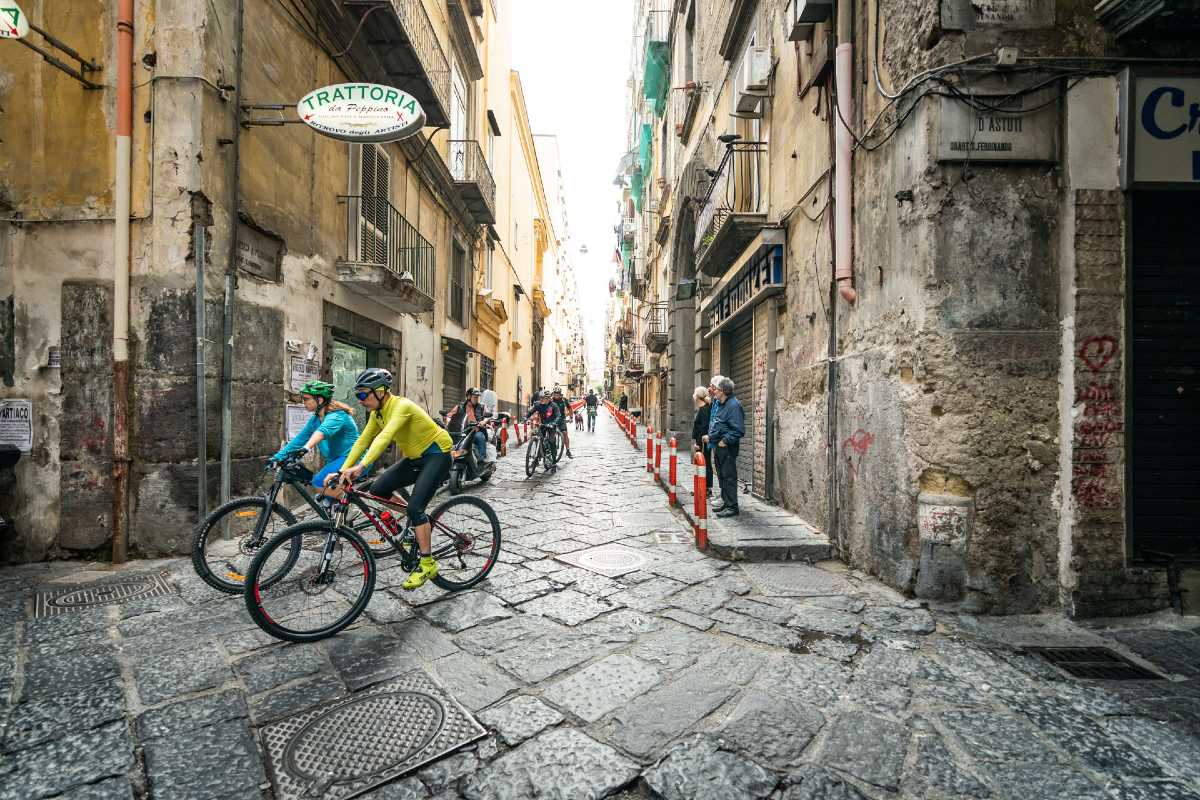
[{"x": 467, "y": 466}]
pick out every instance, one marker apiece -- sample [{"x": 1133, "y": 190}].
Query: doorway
[{"x": 348, "y": 362}]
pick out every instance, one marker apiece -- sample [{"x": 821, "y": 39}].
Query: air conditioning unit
[
  {"x": 802, "y": 15},
  {"x": 753, "y": 77}
]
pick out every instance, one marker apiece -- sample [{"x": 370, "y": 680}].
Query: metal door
[
  {"x": 1164, "y": 403},
  {"x": 741, "y": 372}
]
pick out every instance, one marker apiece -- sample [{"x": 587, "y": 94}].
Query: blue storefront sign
[
  {"x": 1163, "y": 121},
  {"x": 762, "y": 274}
]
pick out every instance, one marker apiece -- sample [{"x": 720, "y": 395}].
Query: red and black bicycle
[{"x": 313, "y": 579}]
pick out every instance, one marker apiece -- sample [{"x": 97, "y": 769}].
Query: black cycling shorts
[{"x": 424, "y": 474}]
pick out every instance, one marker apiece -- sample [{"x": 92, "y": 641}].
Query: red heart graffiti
[{"x": 1097, "y": 351}]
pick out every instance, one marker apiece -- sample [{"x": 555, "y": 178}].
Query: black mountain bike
[
  {"x": 315, "y": 578},
  {"x": 226, "y": 540},
  {"x": 544, "y": 449}
]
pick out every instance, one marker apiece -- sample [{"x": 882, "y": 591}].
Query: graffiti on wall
[
  {"x": 1099, "y": 429},
  {"x": 855, "y": 448}
]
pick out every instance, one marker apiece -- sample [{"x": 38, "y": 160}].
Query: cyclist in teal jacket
[{"x": 331, "y": 428}]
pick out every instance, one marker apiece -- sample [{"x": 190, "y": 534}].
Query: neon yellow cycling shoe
[{"x": 426, "y": 569}]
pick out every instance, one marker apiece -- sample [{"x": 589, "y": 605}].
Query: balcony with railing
[
  {"x": 396, "y": 45},
  {"x": 474, "y": 180},
  {"x": 385, "y": 258},
  {"x": 634, "y": 361},
  {"x": 654, "y": 332},
  {"x": 734, "y": 208}
]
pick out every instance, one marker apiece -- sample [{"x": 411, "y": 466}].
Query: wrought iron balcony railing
[
  {"x": 738, "y": 193},
  {"x": 378, "y": 234},
  {"x": 655, "y": 330},
  {"x": 474, "y": 179}
]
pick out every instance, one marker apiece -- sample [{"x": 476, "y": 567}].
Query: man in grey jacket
[{"x": 726, "y": 427}]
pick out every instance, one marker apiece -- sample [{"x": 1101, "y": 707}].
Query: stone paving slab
[{"x": 688, "y": 677}]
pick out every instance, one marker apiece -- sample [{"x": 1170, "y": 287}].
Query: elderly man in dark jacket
[{"x": 726, "y": 427}]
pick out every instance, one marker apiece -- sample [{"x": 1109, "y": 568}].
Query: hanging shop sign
[
  {"x": 13, "y": 24},
  {"x": 361, "y": 112},
  {"x": 968, "y": 15},
  {"x": 760, "y": 275},
  {"x": 998, "y": 127},
  {"x": 1161, "y": 129}
]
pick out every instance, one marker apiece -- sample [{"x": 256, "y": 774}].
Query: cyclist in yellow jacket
[{"x": 426, "y": 449}]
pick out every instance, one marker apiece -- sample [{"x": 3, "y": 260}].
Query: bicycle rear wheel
[
  {"x": 311, "y": 600},
  {"x": 532, "y": 456},
  {"x": 223, "y": 543},
  {"x": 465, "y": 541}
]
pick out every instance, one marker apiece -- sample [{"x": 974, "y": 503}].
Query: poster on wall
[
  {"x": 16, "y": 424},
  {"x": 304, "y": 370},
  {"x": 297, "y": 418}
]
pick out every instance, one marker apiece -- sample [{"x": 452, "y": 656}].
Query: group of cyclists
[{"x": 424, "y": 443}]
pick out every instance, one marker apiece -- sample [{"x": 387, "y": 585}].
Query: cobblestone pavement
[{"x": 687, "y": 677}]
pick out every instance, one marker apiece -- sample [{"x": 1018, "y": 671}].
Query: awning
[{"x": 759, "y": 272}]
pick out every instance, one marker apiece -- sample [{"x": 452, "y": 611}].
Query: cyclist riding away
[
  {"x": 563, "y": 414},
  {"x": 592, "y": 403},
  {"x": 331, "y": 428},
  {"x": 425, "y": 446}
]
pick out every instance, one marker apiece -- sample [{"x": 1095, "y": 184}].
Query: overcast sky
[{"x": 573, "y": 56}]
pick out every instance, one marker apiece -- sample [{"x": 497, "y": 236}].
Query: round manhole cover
[
  {"x": 106, "y": 594},
  {"x": 611, "y": 559},
  {"x": 364, "y": 737}
]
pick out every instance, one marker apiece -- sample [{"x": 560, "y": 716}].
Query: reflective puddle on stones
[
  {"x": 342, "y": 749},
  {"x": 609, "y": 560},
  {"x": 53, "y": 602}
]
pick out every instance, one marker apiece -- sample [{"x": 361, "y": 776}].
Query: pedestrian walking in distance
[
  {"x": 699, "y": 429},
  {"x": 726, "y": 427}
]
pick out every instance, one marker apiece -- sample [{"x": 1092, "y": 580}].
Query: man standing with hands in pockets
[{"x": 726, "y": 427}]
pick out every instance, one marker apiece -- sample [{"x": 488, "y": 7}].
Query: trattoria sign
[
  {"x": 13, "y": 24},
  {"x": 1164, "y": 123},
  {"x": 361, "y": 112}
]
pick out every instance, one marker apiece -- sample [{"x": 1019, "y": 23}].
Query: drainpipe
[
  {"x": 231, "y": 266},
  {"x": 843, "y": 193},
  {"x": 121, "y": 268},
  {"x": 199, "y": 246}
]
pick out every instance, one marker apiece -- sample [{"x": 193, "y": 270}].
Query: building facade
[
  {"x": 310, "y": 256},
  {"x": 939, "y": 246}
]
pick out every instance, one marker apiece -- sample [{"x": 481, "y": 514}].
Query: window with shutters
[
  {"x": 374, "y": 189},
  {"x": 489, "y": 262},
  {"x": 487, "y": 373},
  {"x": 458, "y": 283}
]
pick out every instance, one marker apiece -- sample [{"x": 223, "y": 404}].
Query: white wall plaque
[
  {"x": 16, "y": 424},
  {"x": 1015, "y": 129},
  {"x": 967, "y": 15}
]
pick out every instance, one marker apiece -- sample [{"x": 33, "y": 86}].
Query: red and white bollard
[
  {"x": 672, "y": 497},
  {"x": 658, "y": 443},
  {"x": 700, "y": 493},
  {"x": 503, "y": 440},
  {"x": 649, "y": 448}
]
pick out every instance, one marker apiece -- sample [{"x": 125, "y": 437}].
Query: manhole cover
[
  {"x": 796, "y": 580},
  {"x": 1094, "y": 663},
  {"x": 101, "y": 593},
  {"x": 671, "y": 537},
  {"x": 609, "y": 560},
  {"x": 348, "y": 747}
]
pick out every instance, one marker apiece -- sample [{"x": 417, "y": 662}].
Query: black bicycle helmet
[{"x": 373, "y": 378}]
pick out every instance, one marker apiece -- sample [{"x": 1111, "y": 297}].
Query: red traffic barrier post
[
  {"x": 658, "y": 443},
  {"x": 503, "y": 437},
  {"x": 672, "y": 495},
  {"x": 701, "y": 505},
  {"x": 649, "y": 448}
]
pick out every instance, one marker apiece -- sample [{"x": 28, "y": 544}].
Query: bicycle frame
[{"x": 358, "y": 499}]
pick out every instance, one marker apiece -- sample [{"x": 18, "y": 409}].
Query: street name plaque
[
  {"x": 968, "y": 15},
  {"x": 1000, "y": 127}
]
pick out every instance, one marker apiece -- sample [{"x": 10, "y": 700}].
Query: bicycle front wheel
[
  {"x": 327, "y": 586},
  {"x": 466, "y": 542},
  {"x": 549, "y": 454},
  {"x": 532, "y": 456},
  {"x": 224, "y": 543}
]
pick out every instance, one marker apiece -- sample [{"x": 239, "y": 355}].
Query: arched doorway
[{"x": 681, "y": 325}]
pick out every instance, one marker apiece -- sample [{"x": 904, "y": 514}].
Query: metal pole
[
  {"x": 121, "y": 268},
  {"x": 231, "y": 266},
  {"x": 198, "y": 255}
]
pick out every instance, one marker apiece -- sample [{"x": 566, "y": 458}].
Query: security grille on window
[
  {"x": 487, "y": 373},
  {"x": 458, "y": 280},
  {"x": 374, "y": 186}
]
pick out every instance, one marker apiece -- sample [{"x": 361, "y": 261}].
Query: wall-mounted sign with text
[
  {"x": 13, "y": 24},
  {"x": 759, "y": 275},
  {"x": 1162, "y": 129},
  {"x": 994, "y": 126},
  {"x": 361, "y": 112}
]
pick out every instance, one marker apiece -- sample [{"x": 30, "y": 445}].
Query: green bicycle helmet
[{"x": 318, "y": 389}]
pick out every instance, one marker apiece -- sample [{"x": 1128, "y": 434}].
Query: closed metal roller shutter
[
  {"x": 741, "y": 372},
  {"x": 1165, "y": 402},
  {"x": 454, "y": 376}
]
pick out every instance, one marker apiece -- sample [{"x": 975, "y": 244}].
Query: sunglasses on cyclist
[{"x": 362, "y": 396}]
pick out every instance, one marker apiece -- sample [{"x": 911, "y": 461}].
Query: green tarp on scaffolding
[
  {"x": 656, "y": 78},
  {"x": 635, "y": 188}
]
